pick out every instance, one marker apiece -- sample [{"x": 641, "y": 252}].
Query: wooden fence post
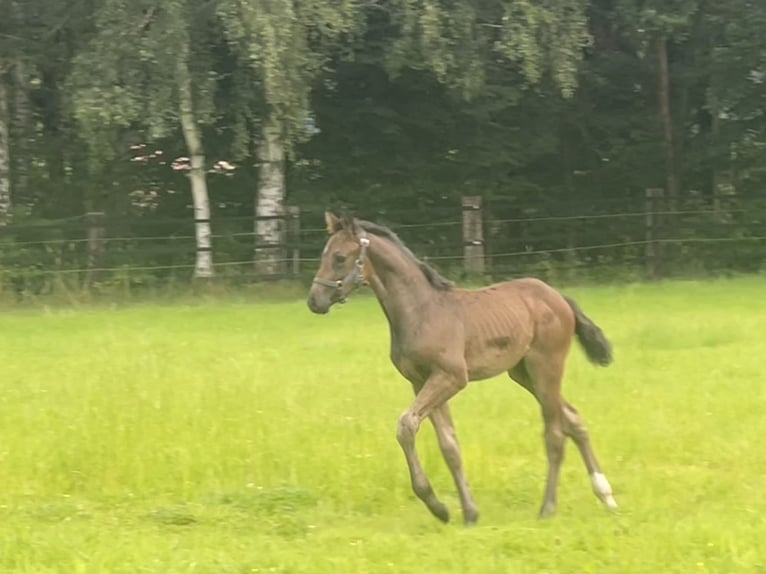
[
  {"x": 473, "y": 234},
  {"x": 294, "y": 236},
  {"x": 654, "y": 197}
]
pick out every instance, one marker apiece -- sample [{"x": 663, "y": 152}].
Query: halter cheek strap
[{"x": 354, "y": 278}]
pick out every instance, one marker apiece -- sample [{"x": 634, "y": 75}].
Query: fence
[{"x": 602, "y": 239}]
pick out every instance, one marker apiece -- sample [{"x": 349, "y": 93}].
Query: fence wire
[{"x": 542, "y": 243}]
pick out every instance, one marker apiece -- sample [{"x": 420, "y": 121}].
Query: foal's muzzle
[
  {"x": 320, "y": 308},
  {"x": 325, "y": 293}
]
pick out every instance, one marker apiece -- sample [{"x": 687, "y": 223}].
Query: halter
[{"x": 355, "y": 276}]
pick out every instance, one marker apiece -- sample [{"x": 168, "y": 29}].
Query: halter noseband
[{"x": 355, "y": 277}]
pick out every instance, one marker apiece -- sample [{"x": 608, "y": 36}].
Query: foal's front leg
[
  {"x": 437, "y": 390},
  {"x": 445, "y": 433}
]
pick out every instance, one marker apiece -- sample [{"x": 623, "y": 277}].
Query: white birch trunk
[
  {"x": 203, "y": 266},
  {"x": 270, "y": 251},
  {"x": 5, "y": 155},
  {"x": 22, "y": 130}
]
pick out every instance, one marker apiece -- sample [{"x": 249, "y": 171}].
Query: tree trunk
[
  {"x": 269, "y": 206},
  {"x": 663, "y": 93},
  {"x": 22, "y": 131},
  {"x": 567, "y": 153},
  {"x": 719, "y": 160},
  {"x": 204, "y": 262},
  {"x": 5, "y": 155}
]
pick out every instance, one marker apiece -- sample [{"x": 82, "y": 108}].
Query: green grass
[{"x": 253, "y": 438}]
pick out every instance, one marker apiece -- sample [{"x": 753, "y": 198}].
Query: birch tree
[
  {"x": 270, "y": 252},
  {"x": 193, "y": 139},
  {"x": 284, "y": 45},
  {"x": 9, "y": 50},
  {"x": 5, "y": 151},
  {"x": 21, "y": 129},
  {"x": 147, "y": 69}
]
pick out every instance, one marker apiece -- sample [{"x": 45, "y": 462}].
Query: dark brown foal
[{"x": 442, "y": 338}]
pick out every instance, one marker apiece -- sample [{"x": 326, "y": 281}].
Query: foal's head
[{"x": 342, "y": 267}]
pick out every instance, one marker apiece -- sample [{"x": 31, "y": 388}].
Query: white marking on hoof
[{"x": 603, "y": 490}]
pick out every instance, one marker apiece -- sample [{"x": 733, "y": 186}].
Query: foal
[{"x": 441, "y": 338}]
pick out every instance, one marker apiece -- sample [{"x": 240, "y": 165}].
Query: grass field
[{"x": 235, "y": 437}]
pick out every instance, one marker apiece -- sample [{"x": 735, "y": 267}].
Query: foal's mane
[{"x": 435, "y": 278}]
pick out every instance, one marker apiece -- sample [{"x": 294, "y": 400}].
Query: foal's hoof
[
  {"x": 547, "y": 511},
  {"x": 440, "y": 511},
  {"x": 470, "y": 517},
  {"x": 603, "y": 490},
  {"x": 610, "y": 503}
]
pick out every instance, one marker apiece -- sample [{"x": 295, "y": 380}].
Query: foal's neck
[{"x": 402, "y": 289}]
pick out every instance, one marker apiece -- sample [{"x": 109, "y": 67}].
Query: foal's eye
[{"x": 339, "y": 257}]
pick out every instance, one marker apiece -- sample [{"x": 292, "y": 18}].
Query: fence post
[
  {"x": 294, "y": 236},
  {"x": 96, "y": 242},
  {"x": 473, "y": 234},
  {"x": 654, "y": 198}
]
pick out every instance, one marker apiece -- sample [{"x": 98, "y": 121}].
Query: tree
[
  {"x": 5, "y": 150},
  {"x": 736, "y": 97},
  {"x": 658, "y": 29},
  {"x": 146, "y": 70},
  {"x": 502, "y": 66},
  {"x": 392, "y": 107},
  {"x": 11, "y": 69},
  {"x": 283, "y": 48}
]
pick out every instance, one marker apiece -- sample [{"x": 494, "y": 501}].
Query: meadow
[{"x": 233, "y": 436}]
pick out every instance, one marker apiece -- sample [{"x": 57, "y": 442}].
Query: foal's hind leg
[
  {"x": 445, "y": 433},
  {"x": 574, "y": 427},
  {"x": 543, "y": 379}
]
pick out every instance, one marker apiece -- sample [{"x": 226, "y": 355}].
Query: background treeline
[{"x": 145, "y": 141}]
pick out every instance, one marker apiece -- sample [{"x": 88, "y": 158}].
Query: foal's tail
[{"x": 591, "y": 337}]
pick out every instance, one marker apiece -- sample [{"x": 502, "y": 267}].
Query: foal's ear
[{"x": 334, "y": 224}]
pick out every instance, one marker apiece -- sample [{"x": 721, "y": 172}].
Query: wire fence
[{"x": 600, "y": 240}]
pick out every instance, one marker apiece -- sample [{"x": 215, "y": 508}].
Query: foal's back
[{"x": 504, "y": 322}]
